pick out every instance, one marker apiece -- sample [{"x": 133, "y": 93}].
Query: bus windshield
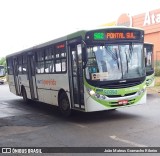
[
  {"x": 149, "y": 54},
  {"x": 115, "y": 62},
  {"x": 2, "y": 71}
]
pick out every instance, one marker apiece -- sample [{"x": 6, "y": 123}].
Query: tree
[{"x": 3, "y": 61}]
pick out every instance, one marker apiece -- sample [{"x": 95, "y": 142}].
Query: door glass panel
[
  {"x": 74, "y": 74},
  {"x": 31, "y": 76},
  {"x": 74, "y": 63},
  {"x": 77, "y": 75},
  {"x": 80, "y": 72}
]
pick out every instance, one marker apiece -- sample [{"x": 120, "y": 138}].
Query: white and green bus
[
  {"x": 148, "y": 49},
  {"x": 89, "y": 70}
]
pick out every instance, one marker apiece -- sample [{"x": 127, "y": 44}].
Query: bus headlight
[
  {"x": 92, "y": 92},
  {"x": 96, "y": 95}
]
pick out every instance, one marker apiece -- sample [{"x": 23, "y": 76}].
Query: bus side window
[
  {"x": 48, "y": 60},
  {"x": 60, "y": 58},
  {"x": 58, "y": 65},
  {"x": 58, "y": 61},
  {"x": 10, "y": 66},
  {"x": 20, "y": 64},
  {"x": 24, "y": 64},
  {"x": 40, "y": 61}
]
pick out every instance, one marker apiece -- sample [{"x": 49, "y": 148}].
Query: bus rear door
[
  {"x": 31, "y": 76},
  {"x": 16, "y": 78}
]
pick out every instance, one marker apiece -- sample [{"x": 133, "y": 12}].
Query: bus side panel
[
  {"x": 11, "y": 83},
  {"x": 59, "y": 82},
  {"x": 23, "y": 80},
  {"x": 44, "y": 95},
  {"x": 49, "y": 85},
  {"x": 43, "y": 88}
]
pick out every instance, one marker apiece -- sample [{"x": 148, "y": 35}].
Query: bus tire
[
  {"x": 112, "y": 110},
  {"x": 24, "y": 95},
  {"x": 64, "y": 104}
]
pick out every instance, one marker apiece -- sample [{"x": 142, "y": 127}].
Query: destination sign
[
  {"x": 131, "y": 35},
  {"x": 120, "y": 35}
]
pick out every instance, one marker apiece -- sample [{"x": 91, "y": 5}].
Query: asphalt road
[{"x": 40, "y": 125}]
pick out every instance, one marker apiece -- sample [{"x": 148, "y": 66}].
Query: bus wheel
[
  {"x": 111, "y": 110},
  {"x": 64, "y": 105},
  {"x": 24, "y": 95}
]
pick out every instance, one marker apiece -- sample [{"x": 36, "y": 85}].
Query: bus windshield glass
[
  {"x": 114, "y": 62},
  {"x": 2, "y": 71}
]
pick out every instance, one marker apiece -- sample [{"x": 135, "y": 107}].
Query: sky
[{"x": 26, "y": 23}]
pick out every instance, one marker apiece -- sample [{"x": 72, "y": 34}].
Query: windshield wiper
[
  {"x": 113, "y": 55},
  {"x": 127, "y": 60},
  {"x": 131, "y": 51},
  {"x": 129, "y": 55}
]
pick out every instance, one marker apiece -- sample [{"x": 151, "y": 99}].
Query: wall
[
  {"x": 154, "y": 38},
  {"x": 150, "y": 23}
]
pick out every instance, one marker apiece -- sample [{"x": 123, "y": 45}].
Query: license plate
[{"x": 123, "y": 102}]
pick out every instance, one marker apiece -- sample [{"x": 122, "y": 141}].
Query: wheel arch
[
  {"x": 64, "y": 103},
  {"x": 21, "y": 88},
  {"x": 59, "y": 95}
]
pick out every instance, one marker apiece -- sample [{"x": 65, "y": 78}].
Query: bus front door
[
  {"x": 31, "y": 77},
  {"x": 76, "y": 76}
]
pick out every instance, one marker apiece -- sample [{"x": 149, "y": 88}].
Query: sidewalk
[{"x": 154, "y": 90}]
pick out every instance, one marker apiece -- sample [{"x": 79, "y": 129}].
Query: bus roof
[
  {"x": 39, "y": 46},
  {"x": 68, "y": 37},
  {"x": 149, "y": 43}
]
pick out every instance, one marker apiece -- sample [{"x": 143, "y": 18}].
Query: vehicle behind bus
[
  {"x": 93, "y": 70},
  {"x": 2, "y": 74},
  {"x": 149, "y": 63}
]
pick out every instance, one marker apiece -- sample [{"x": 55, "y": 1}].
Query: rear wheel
[
  {"x": 64, "y": 105},
  {"x": 24, "y": 95}
]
